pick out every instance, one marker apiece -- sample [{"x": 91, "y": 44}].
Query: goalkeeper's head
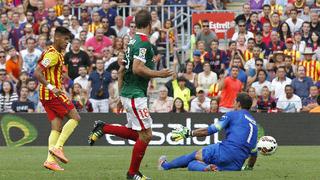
[{"x": 243, "y": 101}]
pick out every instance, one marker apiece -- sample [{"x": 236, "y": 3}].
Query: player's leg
[
  {"x": 197, "y": 165},
  {"x": 51, "y": 163},
  {"x": 67, "y": 130},
  {"x": 179, "y": 162},
  {"x": 126, "y": 132}
]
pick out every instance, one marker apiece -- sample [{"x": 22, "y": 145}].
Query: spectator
[
  {"x": 83, "y": 77},
  {"x": 262, "y": 82},
  {"x": 3, "y": 77},
  {"x": 30, "y": 56},
  {"x": 265, "y": 102},
  {"x": 13, "y": 65},
  {"x": 75, "y": 27},
  {"x": 238, "y": 62},
  {"x": 314, "y": 25},
  {"x": 80, "y": 99},
  {"x": 66, "y": 14},
  {"x": 7, "y": 96},
  {"x": 245, "y": 16},
  {"x": 28, "y": 33},
  {"x": 254, "y": 97},
  {"x": 253, "y": 73},
  {"x": 197, "y": 4},
  {"x": 266, "y": 33},
  {"x": 113, "y": 89},
  {"x": 117, "y": 45},
  {"x": 275, "y": 7},
  {"x": 189, "y": 75},
  {"x": 132, "y": 29},
  {"x": 301, "y": 84},
  {"x": 5, "y": 25},
  {"x": 256, "y": 54},
  {"x": 254, "y": 24},
  {"x": 259, "y": 42},
  {"x": 290, "y": 67},
  {"x": 299, "y": 45},
  {"x": 311, "y": 101},
  {"x": 214, "y": 105},
  {"x": 87, "y": 35},
  {"x": 108, "y": 12},
  {"x": 108, "y": 31},
  {"x": 98, "y": 42},
  {"x": 196, "y": 32},
  {"x": 278, "y": 58},
  {"x": 242, "y": 31},
  {"x": 31, "y": 20},
  {"x": 230, "y": 86},
  {"x": 284, "y": 32},
  {"x": 84, "y": 16},
  {"x": 118, "y": 60},
  {"x": 164, "y": 103},
  {"x": 52, "y": 18},
  {"x": 316, "y": 109},
  {"x": 215, "y": 57},
  {"x": 181, "y": 91},
  {"x": 279, "y": 83},
  {"x": 41, "y": 13},
  {"x": 248, "y": 53},
  {"x": 289, "y": 102},
  {"x": 305, "y": 30},
  {"x": 76, "y": 58},
  {"x": 23, "y": 104},
  {"x": 42, "y": 43},
  {"x": 275, "y": 44},
  {"x": 206, "y": 35},
  {"x": 156, "y": 23},
  {"x": 241, "y": 44},
  {"x": 2, "y": 59},
  {"x": 231, "y": 52},
  {"x": 58, "y": 7},
  {"x": 256, "y": 5},
  {"x": 23, "y": 77},
  {"x": 315, "y": 44},
  {"x": 16, "y": 32},
  {"x": 294, "y": 22},
  {"x": 201, "y": 47},
  {"x": 265, "y": 14},
  {"x": 206, "y": 78},
  {"x": 214, "y": 88},
  {"x": 119, "y": 27},
  {"x": 99, "y": 81},
  {"x": 198, "y": 67},
  {"x": 33, "y": 94},
  {"x": 201, "y": 103},
  {"x": 312, "y": 66},
  {"x": 289, "y": 51},
  {"x": 95, "y": 24},
  {"x": 275, "y": 22},
  {"x": 178, "y": 106},
  {"x": 299, "y": 5}
]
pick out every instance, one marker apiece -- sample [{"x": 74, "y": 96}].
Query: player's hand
[
  {"x": 57, "y": 92},
  {"x": 247, "y": 168},
  {"x": 165, "y": 73},
  {"x": 180, "y": 132},
  {"x": 119, "y": 107}
]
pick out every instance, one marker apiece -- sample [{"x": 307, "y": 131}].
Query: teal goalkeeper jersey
[{"x": 139, "y": 48}]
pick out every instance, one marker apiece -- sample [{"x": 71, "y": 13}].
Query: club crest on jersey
[
  {"x": 45, "y": 62},
  {"x": 142, "y": 53}
]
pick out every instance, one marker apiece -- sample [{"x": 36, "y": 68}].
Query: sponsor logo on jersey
[
  {"x": 45, "y": 62},
  {"x": 142, "y": 53}
]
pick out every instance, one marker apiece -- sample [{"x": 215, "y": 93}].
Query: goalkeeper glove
[
  {"x": 247, "y": 168},
  {"x": 180, "y": 132}
]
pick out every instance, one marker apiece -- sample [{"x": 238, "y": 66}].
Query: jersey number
[
  {"x": 143, "y": 113},
  {"x": 250, "y": 133}
]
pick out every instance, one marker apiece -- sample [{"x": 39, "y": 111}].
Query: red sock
[
  {"x": 137, "y": 156},
  {"x": 121, "y": 131}
]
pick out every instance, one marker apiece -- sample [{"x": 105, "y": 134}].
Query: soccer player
[
  {"x": 135, "y": 76},
  {"x": 54, "y": 99},
  {"x": 231, "y": 153}
]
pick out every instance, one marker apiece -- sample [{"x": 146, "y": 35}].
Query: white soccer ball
[{"x": 267, "y": 145}]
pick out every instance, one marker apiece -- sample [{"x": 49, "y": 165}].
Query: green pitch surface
[{"x": 111, "y": 163}]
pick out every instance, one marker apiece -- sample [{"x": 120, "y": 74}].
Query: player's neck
[
  {"x": 143, "y": 31},
  {"x": 56, "y": 46}
]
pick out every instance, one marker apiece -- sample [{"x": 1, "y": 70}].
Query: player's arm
[
  {"x": 120, "y": 76},
  {"x": 183, "y": 132},
  {"x": 140, "y": 69},
  {"x": 251, "y": 160}
]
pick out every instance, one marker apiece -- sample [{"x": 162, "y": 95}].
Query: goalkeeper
[{"x": 229, "y": 155}]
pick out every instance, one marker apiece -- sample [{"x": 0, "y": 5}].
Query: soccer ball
[{"x": 267, "y": 145}]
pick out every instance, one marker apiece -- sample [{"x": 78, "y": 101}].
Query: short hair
[
  {"x": 288, "y": 86},
  {"x": 266, "y": 5},
  {"x": 205, "y": 21},
  {"x": 251, "y": 39},
  {"x": 242, "y": 21},
  {"x": 215, "y": 40},
  {"x": 294, "y": 9},
  {"x": 143, "y": 19},
  {"x": 30, "y": 38},
  {"x": 63, "y": 31},
  {"x": 245, "y": 100},
  {"x": 281, "y": 67},
  {"x": 232, "y": 42},
  {"x": 258, "y": 59},
  {"x": 30, "y": 80},
  {"x": 234, "y": 67}
]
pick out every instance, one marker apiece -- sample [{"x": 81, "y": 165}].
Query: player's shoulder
[{"x": 142, "y": 40}]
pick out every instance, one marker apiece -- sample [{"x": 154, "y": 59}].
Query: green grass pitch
[{"x": 111, "y": 163}]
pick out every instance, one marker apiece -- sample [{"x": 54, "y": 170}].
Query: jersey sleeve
[
  {"x": 221, "y": 124},
  {"x": 254, "y": 152},
  {"x": 50, "y": 59},
  {"x": 140, "y": 51}
]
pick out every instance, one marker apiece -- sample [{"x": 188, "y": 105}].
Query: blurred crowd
[{"x": 273, "y": 55}]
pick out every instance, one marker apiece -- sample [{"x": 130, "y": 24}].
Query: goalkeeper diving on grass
[{"x": 229, "y": 155}]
